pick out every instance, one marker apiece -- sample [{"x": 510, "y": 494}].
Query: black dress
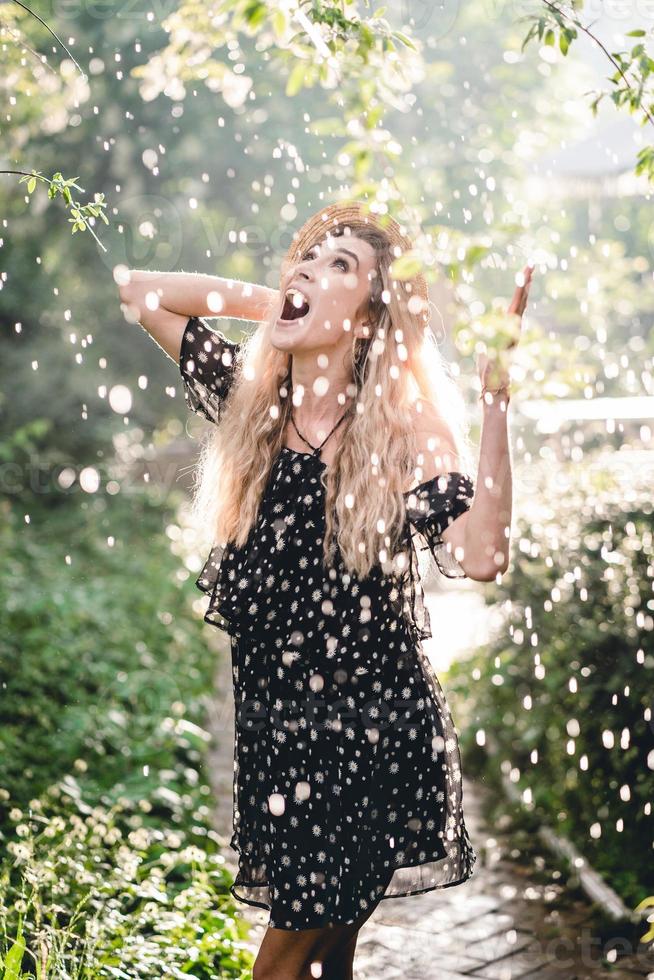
[{"x": 347, "y": 774}]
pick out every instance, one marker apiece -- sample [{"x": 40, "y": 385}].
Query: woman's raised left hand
[{"x": 495, "y": 372}]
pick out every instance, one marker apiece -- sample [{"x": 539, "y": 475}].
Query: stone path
[{"x": 507, "y": 922}]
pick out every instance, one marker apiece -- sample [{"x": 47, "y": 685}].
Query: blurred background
[{"x": 208, "y": 138}]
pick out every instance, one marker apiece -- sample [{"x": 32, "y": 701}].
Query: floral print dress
[{"x": 347, "y": 774}]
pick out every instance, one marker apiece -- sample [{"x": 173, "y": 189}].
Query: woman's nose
[
  {"x": 303, "y": 271},
  {"x": 298, "y": 272}
]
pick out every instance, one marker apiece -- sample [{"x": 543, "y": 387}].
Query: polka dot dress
[{"x": 347, "y": 774}]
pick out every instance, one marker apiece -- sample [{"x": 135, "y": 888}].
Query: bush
[
  {"x": 565, "y": 690},
  {"x": 88, "y": 897},
  {"x": 111, "y": 868}
]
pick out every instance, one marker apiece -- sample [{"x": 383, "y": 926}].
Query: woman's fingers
[
  {"x": 518, "y": 305},
  {"x": 519, "y": 301}
]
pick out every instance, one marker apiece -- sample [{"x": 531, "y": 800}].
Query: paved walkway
[{"x": 507, "y": 922}]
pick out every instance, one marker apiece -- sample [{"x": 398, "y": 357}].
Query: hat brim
[{"x": 354, "y": 214}]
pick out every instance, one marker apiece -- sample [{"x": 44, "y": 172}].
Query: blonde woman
[{"x": 338, "y": 449}]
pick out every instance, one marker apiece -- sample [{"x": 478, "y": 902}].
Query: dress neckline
[
  {"x": 299, "y": 452},
  {"x": 451, "y": 474}
]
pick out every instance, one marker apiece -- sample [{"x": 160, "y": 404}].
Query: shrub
[
  {"x": 111, "y": 867},
  {"x": 565, "y": 689}
]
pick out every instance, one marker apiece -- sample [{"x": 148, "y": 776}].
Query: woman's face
[{"x": 332, "y": 279}]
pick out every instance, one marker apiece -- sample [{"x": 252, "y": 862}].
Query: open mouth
[{"x": 296, "y": 305}]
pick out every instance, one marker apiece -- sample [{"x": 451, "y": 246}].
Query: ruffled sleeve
[
  {"x": 431, "y": 507},
  {"x": 207, "y": 364}
]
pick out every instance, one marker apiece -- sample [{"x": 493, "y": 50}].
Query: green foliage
[
  {"x": 75, "y": 671},
  {"x": 82, "y": 214},
  {"x": 406, "y": 266},
  {"x": 41, "y": 97},
  {"x": 632, "y": 81},
  {"x": 364, "y": 67},
  {"x": 111, "y": 868},
  {"x": 13, "y": 960},
  {"x": 352, "y": 57},
  {"x": 95, "y": 892},
  {"x": 362, "y": 72},
  {"x": 565, "y": 688},
  {"x": 72, "y": 341}
]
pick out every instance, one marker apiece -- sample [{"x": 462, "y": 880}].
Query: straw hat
[{"x": 353, "y": 215}]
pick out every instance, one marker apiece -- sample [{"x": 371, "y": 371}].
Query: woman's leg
[
  {"x": 301, "y": 954},
  {"x": 307, "y": 954},
  {"x": 341, "y": 963}
]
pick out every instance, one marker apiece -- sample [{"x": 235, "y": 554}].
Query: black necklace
[{"x": 316, "y": 449}]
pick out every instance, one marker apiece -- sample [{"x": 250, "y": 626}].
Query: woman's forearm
[
  {"x": 488, "y": 529},
  {"x": 197, "y": 294}
]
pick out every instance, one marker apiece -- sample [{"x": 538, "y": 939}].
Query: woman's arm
[
  {"x": 162, "y": 302},
  {"x": 483, "y": 533},
  {"x": 478, "y": 538}
]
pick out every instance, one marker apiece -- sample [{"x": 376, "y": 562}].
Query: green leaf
[
  {"x": 31, "y": 185},
  {"x": 329, "y": 126},
  {"x": 637, "y": 33},
  {"x": 405, "y": 40},
  {"x": 279, "y": 24},
  {"x": 15, "y": 958},
  {"x": 407, "y": 265},
  {"x": 474, "y": 254},
  {"x": 378, "y": 13},
  {"x": 296, "y": 79},
  {"x": 256, "y": 14},
  {"x": 362, "y": 162},
  {"x": 564, "y": 43},
  {"x": 373, "y": 116}
]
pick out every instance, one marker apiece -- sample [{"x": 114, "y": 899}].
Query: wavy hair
[{"x": 377, "y": 460}]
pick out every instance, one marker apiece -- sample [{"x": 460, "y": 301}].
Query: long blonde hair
[{"x": 398, "y": 362}]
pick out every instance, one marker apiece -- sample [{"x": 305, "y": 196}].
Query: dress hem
[{"x": 419, "y": 891}]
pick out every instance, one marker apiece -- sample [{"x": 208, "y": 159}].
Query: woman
[{"x": 338, "y": 446}]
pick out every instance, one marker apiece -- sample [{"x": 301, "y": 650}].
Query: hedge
[
  {"x": 110, "y": 866},
  {"x": 564, "y": 688}
]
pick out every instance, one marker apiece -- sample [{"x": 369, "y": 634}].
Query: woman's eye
[{"x": 311, "y": 254}]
